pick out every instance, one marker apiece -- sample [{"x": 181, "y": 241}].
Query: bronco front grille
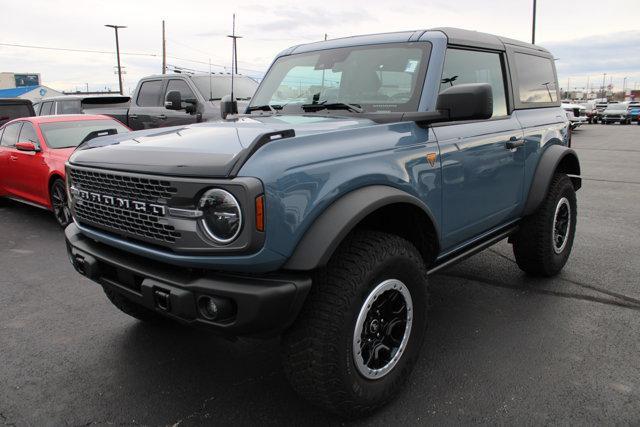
[
  {"x": 126, "y": 186},
  {"x": 137, "y": 224}
]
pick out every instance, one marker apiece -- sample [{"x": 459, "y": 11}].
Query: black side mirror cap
[
  {"x": 472, "y": 101},
  {"x": 173, "y": 100},
  {"x": 228, "y": 106}
]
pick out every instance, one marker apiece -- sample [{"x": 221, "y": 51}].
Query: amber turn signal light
[{"x": 260, "y": 213}]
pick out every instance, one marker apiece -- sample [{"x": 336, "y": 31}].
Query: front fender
[{"x": 332, "y": 226}]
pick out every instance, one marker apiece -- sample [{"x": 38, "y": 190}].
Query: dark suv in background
[{"x": 14, "y": 109}]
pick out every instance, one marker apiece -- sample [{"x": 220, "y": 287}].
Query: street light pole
[
  {"x": 533, "y": 26},
  {"x": 604, "y": 93},
  {"x": 115, "y": 27}
]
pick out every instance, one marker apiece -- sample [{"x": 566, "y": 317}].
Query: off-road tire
[
  {"x": 132, "y": 309},
  {"x": 533, "y": 244},
  {"x": 318, "y": 354}
]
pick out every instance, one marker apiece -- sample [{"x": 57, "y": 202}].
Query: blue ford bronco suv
[{"x": 361, "y": 166}]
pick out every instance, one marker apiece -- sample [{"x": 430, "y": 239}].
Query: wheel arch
[
  {"x": 556, "y": 158},
  {"x": 368, "y": 207}
]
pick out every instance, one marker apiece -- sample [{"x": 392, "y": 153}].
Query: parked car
[
  {"x": 361, "y": 166},
  {"x": 633, "y": 109},
  {"x": 576, "y": 114},
  {"x": 616, "y": 113},
  {"x": 33, "y": 152},
  {"x": 81, "y": 104},
  {"x": 13, "y": 108},
  {"x": 590, "y": 111},
  {"x": 600, "y": 107},
  {"x": 180, "y": 99}
]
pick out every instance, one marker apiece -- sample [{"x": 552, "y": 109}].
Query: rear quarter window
[{"x": 536, "y": 79}]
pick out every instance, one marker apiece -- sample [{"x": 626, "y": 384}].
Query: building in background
[
  {"x": 10, "y": 80},
  {"x": 24, "y": 86},
  {"x": 32, "y": 93}
]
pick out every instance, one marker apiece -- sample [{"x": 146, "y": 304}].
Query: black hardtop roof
[
  {"x": 455, "y": 36},
  {"x": 458, "y": 36}
]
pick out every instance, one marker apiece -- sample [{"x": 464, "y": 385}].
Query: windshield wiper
[
  {"x": 354, "y": 108},
  {"x": 265, "y": 107}
]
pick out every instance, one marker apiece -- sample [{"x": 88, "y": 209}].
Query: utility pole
[
  {"x": 604, "y": 93},
  {"x": 624, "y": 85},
  {"x": 164, "y": 51},
  {"x": 115, "y": 27},
  {"x": 533, "y": 26},
  {"x": 588, "y": 88},
  {"x": 234, "y": 64}
]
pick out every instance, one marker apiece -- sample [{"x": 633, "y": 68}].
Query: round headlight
[{"x": 222, "y": 218}]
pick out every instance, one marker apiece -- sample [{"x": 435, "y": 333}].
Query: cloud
[{"x": 617, "y": 54}]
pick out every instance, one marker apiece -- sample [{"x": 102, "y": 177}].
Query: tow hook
[{"x": 162, "y": 299}]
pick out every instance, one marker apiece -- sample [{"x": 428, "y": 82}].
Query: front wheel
[
  {"x": 59, "y": 204},
  {"x": 361, "y": 329},
  {"x": 543, "y": 244}
]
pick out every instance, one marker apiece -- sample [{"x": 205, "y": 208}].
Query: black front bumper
[{"x": 264, "y": 305}]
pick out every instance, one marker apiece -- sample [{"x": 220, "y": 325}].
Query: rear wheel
[
  {"x": 61, "y": 211},
  {"x": 361, "y": 329},
  {"x": 543, "y": 244}
]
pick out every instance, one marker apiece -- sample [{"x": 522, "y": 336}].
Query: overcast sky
[{"x": 589, "y": 37}]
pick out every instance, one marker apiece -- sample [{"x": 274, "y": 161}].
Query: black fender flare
[
  {"x": 328, "y": 230},
  {"x": 549, "y": 162}
]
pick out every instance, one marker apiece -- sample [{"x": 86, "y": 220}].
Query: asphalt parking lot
[{"x": 501, "y": 347}]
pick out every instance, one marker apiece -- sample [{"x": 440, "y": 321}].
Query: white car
[{"x": 577, "y": 114}]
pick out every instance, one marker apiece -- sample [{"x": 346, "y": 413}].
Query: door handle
[
  {"x": 514, "y": 142},
  {"x": 14, "y": 158},
  {"x": 162, "y": 117}
]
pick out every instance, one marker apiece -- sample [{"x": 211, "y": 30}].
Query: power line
[{"x": 110, "y": 52}]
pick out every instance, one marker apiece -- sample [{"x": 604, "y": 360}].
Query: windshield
[
  {"x": 71, "y": 134},
  {"x": 378, "y": 78},
  {"x": 617, "y": 107},
  {"x": 217, "y": 86}
]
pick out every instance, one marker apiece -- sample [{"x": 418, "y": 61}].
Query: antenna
[
  {"x": 234, "y": 53},
  {"x": 210, "y": 89}
]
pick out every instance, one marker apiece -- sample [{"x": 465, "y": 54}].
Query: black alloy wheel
[{"x": 59, "y": 203}]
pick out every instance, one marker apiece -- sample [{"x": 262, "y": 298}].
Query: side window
[
  {"x": 149, "y": 95},
  {"x": 36, "y": 108},
  {"x": 468, "y": 66},
  {"x": 10, "y": 134},
  {"x": 536, "y": 79},
  {"x": 182, "y": 87},
  {"x": 46, "y": 108},
  {"x": 69, "y": 107},
  {"x": 28, "y": 133}
]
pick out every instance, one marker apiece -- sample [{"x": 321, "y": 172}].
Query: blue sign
[{"x": 43, "y": 91}]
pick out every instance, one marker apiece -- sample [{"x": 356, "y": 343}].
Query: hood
[
  {"x": 214, "y": 149},
  {"x": 617, "y": 110}
]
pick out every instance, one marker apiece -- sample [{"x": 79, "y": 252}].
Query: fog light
[{"x": 215, "y": 308}]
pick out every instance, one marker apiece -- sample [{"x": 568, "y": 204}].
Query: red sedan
[{"x": 34, "y": 150}]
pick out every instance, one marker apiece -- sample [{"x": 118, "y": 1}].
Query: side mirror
[
  {"x": 27, "y": 146},
  {"x": 228, "y": 106},
  {"x": 473, "y": 101},
  {"x": 173, "y": 101}
]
